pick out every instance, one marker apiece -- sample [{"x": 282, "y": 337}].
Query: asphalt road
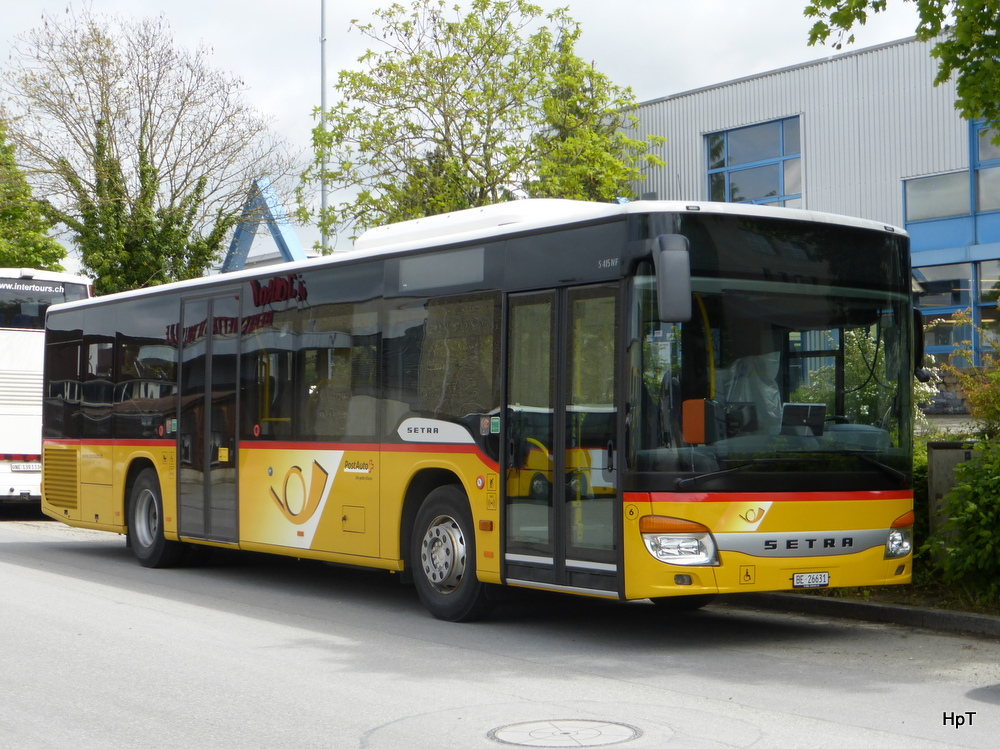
[{"x": 254, "y": 651}]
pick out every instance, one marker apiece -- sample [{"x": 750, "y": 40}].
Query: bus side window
[
  {"x": 62, "y": 400},
  {"x": 274, "y": 382},
  {"x": 458, "y": 357},
  {"x": 337, "y": 385},
  {"x": 329, "y": 388},
  {"x": 97, "y": 389}
]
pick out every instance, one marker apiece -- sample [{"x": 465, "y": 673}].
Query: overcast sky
[{"x": 657, "y": 47}]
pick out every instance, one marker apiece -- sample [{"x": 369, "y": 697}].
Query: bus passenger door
[
  {"x": 561, "y": 474},
  {"x": 208, "y": 403}
]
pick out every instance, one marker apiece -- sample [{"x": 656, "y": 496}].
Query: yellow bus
[{"x": 652, "y": 400}]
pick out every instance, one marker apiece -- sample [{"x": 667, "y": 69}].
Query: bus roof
[
  {"x": 498, "y": 220},
  {"x": 541, "y": 213},
  {"x": 485, "y": 221},
  {"x": 33, "y": 274}
]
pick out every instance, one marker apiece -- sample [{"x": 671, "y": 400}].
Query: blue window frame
[
  {"x": 959, "y": 210},
  {"x": 968, "y": 192},
  {"x": 942, "y": 291},
  {"x": 987, "y": 314},
  {"x": 756, "y": 164},
  {"x": 986, "y": 161}
]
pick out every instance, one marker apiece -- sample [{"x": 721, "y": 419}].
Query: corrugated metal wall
[{"x": 869, "y": 119}]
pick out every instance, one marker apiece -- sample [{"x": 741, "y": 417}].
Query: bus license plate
[
  {"x": 29, "y": 467},
  {"x": 810, "y": 579}
]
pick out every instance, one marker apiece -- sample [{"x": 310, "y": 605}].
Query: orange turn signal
[
  {"x": 664, "y": 524},
  {"x": 904, "y": 521}
]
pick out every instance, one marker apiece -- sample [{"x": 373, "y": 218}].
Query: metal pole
[{"x": 322, "y": 118}]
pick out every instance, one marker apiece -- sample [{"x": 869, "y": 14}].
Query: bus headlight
[
  {"x": 677, "y": 541},
  {"x": 900, "y": 540}
]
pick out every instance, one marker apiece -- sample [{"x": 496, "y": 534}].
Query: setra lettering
[{"x": 793, "y": 544}]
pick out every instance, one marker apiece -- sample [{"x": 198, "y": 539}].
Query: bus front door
[
  {"x": 206, "y": 438},
  {"x": 560, "y": 473}
]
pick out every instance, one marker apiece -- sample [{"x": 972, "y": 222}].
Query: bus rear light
[
  {"x": 900, "y": 540},
  {"x": 678, "y": 541}
]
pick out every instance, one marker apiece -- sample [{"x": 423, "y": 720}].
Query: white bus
[{"x": 25, "y": 294}]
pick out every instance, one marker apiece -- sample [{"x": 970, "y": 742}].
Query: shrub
[
  {"x": 921, "y": 496},
  {"x": 970, "y": 540},
  {"x": 981, "y": 384}
]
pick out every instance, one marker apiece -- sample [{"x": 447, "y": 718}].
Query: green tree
[
  {"x": 130, "y": 242},
  {"x": 145, "y": 152},
  {"x": 585, "y": 150},
  {"x": 433, "y": 184},
  {"x": 24, "y": 229},
  {"x": 968, "y": 49},
  {"x": 455, "y": 110}
]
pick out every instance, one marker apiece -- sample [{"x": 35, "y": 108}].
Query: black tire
[
  {"x": 443, "y": 557},
  {"x": 683, "y": 604},
  {"x": 145, "y": 524}
]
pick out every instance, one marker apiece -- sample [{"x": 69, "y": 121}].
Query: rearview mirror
[
  {"x": 919, "y": 371},
  {"x": 672, "y": 260}
]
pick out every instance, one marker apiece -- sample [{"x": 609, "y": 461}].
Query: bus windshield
[
  {"x": 775, "y": 378},
  {"x": 23, "y": 301}
]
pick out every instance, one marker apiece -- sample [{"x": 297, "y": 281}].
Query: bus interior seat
[
  {"x": 328, "y": 409},
  {"x": 362, "y": 411}
]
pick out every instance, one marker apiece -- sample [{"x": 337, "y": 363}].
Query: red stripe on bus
[
  {"x": 429, "y": 448},
  {"x": 276, "y": 445},
  {"x": 360, "y": 446},
  {"x": 757, "y": 497}
]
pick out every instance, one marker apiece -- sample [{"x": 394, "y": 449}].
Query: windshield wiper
[
  {"x": 885, "y": 468},
  {"x": 864, "y": 457},
  {"x": 692, "y": 480}
]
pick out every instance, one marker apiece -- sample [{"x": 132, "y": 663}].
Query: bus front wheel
[
  {"x": 443, "y": 557},
  {"x": 145, "y": 524}
]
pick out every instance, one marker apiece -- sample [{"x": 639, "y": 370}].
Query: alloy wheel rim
[{"x": 443, "y": 554}]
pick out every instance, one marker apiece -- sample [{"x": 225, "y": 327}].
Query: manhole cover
[{"x": 557, "y": 733}]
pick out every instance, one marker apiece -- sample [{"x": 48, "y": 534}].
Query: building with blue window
[{"x": 864, "y": 133}]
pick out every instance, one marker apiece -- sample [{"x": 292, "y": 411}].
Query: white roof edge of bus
[
  {"x": 43, "y": 275},
  {"x": 484, "y": 221},
  {"x": 501, "y": 218}
]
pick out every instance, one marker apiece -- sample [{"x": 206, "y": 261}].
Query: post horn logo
[
  {"x": 753, "y": 515},
  {"x": 299, "y": 502}
]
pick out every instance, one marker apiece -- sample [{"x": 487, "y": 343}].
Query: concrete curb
[{"x": 845, "y": 608}]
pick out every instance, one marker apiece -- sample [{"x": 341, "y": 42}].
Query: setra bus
[
  {"x": 25, "y": 294},
  {"x": 652, "y": 400}
]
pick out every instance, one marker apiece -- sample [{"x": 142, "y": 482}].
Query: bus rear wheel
[
  {"x": 443, "y": 557},
  {"x": 145, "y": 524}
]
